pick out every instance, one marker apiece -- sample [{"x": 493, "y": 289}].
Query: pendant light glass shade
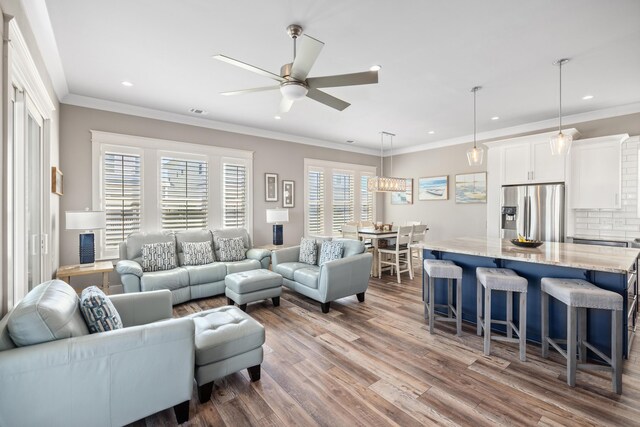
[
  {"x": 560, "y": 143},
  {"x": 475, "y": 154},
  {"x": 383, "y": 183}
]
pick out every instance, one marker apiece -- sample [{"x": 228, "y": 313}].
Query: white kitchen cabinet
[
  {"x": 596, "y": 173},
  {"x": 531, "y": 163}
]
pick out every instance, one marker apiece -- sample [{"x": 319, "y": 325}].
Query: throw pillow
[
  {"x": 158, "y": 256},
  {"x": 197, "y": 253},
  {"x": 231, "y": 249},
  {"x": 330, "y": 251},
  {"x": 98, "y": 311},
  {"x": 308, "y": 251}
]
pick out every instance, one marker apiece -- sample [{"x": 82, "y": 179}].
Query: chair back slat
[
  {"x": 404, "y": 235},
  {"x": 419, "y": 233},
  {"x": 350, "y": 231}
]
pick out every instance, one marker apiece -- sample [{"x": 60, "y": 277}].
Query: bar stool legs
[{"x": 442, "y": 269}]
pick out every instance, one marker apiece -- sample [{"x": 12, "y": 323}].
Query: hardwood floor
[{"x": 375, "y": 364}]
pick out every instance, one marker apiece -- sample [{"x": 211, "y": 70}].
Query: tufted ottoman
[
  {"x": 227, "y": 341},
  {"x": 253, "y": 285}
]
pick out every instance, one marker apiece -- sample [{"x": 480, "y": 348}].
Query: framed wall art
[
  {"x": 403, "y": 197},
  {"x": 433, "y": 188},
  {"x": 288, "y": 193},
  {"x": 471, "y": 188},
  {"x": 270, "y": 187},
  {"x": 57, "y": 181}
]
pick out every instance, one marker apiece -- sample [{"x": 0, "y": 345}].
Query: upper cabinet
[{"x": 595, "y": 173}]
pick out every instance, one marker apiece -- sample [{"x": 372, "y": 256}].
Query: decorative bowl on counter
[{"x": 527, "y": 243}]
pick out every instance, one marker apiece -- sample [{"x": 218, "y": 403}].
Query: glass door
[{"x": 33, "y": 198}]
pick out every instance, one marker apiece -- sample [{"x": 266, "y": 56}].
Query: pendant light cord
[
  {"x": 381, "y": 153},
  {"x": 560, "y": 103},
  {"x": 475, "y": 92}
]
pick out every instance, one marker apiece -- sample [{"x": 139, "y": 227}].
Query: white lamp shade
[
  {"x": 275, "y": 216},
  {"x": 85, "y": 220}
]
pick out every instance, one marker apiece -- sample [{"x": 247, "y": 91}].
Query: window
[
  {"x": 340, "y": 191},
  {"x": 122, "y": 196},
  {"x": 184, "y": 190},
  {"x": 235, "y": 196},
  {"x": 343, "y": 200}
]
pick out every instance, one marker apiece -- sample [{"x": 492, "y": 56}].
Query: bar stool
[
  {"x": 502, "y": 279},
  {"x": 442, "y": 269},
  {"x": 579, "y": 295}
]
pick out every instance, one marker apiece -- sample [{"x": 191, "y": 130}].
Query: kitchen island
[{"x": 610, "y": 268}]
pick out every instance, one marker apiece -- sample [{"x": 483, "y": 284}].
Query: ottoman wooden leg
[
  {"x": 254, "y": 373},
  {"x": 243, "y": 307},
  {"x": 276, "y": 301},
  {"x": 230, "y": 301},
  {"x": 204, "y": 392},
  {"x": 182, "y": 411}
]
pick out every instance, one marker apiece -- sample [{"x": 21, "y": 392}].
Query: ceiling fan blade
[
  {"x": 255, "y": 89},
  {"x": 305, "y": 57},
  {"x": 285, "y": 105},
  {"x": 364, "y": 78},
  {"x": 326, "y": 99},
  {"x": 249, "y": 67}
]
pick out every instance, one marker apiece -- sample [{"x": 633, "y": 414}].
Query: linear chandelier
[{"x": 383, "y": 183}]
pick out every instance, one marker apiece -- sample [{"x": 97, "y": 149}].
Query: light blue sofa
[
  {"x": 185, "y": 282},
  {"x": 333, "y": 280}
]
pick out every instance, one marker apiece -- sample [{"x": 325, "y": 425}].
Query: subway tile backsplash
[{"x": 620, "y": 223}]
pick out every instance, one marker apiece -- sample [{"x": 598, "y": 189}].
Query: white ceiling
[{"x": 432, "y": 53}]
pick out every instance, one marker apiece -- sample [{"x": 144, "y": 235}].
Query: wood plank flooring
[{"x": 375, "y": 364}]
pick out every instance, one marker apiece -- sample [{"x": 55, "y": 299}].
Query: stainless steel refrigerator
[{"x": 533, "y": 211}]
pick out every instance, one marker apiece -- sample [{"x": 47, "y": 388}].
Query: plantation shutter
[
  {"x": 122, "y": 197},
  {"x": 366, "y": 200},
  {"x": 343, "y": 199},
  {"x": 235, "y": 196},
  {"x": 315, "y": 202},
  {"x": 185, "y": 192}
]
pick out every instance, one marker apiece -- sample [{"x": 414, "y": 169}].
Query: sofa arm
[
  {"x": 344, "y": 277},
  {"x": 262, "y": 255},
  {"x": 126, "y": 266},
  {"x": 280, "y": 256},
  {"x": 142, "y": 308},
  {"x": 99, "y": 376}
]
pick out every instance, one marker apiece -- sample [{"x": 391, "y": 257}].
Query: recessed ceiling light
[
  {"x": 431, "y": 132},
  {"x": 349, "y": 141},
  {"x": 127, "y": 84},
  {"x": 375, "y": 67},
  {"x": 495, "y": 118},
  {"x": 587, "y": 97},
  {"x": 198, "y": 111},
  {"x": 277, "y": 117}
]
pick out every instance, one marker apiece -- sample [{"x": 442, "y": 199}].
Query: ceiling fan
[{"x": 294, "y": 84}]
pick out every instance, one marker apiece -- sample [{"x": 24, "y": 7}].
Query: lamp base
[
  {"x": 87, "y": 248},
  {"x": 277, "y": 234}
]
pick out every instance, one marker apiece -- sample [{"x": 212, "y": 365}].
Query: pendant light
[
  {"x": 475, "y": 154},
  {"x": 560, "y": 143},
  {"x": 383, "y": 183}
]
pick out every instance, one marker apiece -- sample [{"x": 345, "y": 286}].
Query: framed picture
[
  {"x": 433, "y": 188},
  {"x": 57, "y": 181},
  {"x": 288, "y": 193},
  {"x": 270, "y": 187},
  {"x": 471, "y": 188},
  {"x": 403, "y": 197}
]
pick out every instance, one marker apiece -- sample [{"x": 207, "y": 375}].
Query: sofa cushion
[
  {"x": 231, "y": 249},
  {"x": 49, "y": 312},
  {"x": 196, "y": 253},
  {"x": 168, "y": 279},
  {"x": 136, "y": 240},
  {"x": 191, "y": 236},
  {"x": 252, "y": 281},
  {"x": 351, "y": 247},
  {"x": 331, "y": 251},
  {"x": 244, "y": 265},
  {"x": 307, "y": 276},
  {"x": 229, "y": 233},
  {"x": 286, "y": 269},
  {"x": 98, "y": 311},
  {"x": 158, "y": 256},
  {"x": 207, "y": 273},
  {"x": 308, "y": 251}
]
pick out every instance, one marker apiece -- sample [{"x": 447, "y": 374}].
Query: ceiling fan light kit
[
  {"x": 560, "y": 143},
  {"x": 383, "y": 183},
  {"x": 293, "y": 91},
  {"x": 475, "y": 154}
]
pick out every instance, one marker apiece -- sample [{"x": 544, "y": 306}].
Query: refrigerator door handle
[{"x": 527, "y": 216}]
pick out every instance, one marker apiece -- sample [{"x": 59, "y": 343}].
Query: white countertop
[{"x": 584, "y": 257}]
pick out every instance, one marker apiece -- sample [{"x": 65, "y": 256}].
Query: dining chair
[
  {"x": 354, "y": 223},
  {"x": 413, "y": 222},
  {"x": 419, "y": 233},
  {"x": 350, "y": 231},
  {"x": 367, "y": 224},
  {"x": 399, "y": 255}
]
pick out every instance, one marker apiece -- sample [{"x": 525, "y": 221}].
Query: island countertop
[{"x": 585, "y": 257}]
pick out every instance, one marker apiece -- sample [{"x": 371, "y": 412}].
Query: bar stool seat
[
  {"x": 443, "y": 269},
  {"x": 579, "y": 295},
  {"x": 507, "y": 280}
]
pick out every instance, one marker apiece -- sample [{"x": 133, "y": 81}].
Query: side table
[{"x": 66, "y": 272}]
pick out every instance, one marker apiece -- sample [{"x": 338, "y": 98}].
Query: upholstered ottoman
[
  {"x": 253, "y": 285},
  {"x": 227, "y": 341}
]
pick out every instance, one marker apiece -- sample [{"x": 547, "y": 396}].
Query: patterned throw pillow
[
  {"x": 231, "y": 249},
  {"x": 197, "y": 253},
  {"x": 98, "y": 311},
  {"x": 158, "y": 256},
  {"x": 330, "y": 251},
  {"x": 308, "y": 251}
]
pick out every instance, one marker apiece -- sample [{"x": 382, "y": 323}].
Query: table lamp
[
  {"x": 86, "y": 220},
  {"x": 277, "y": 217}
]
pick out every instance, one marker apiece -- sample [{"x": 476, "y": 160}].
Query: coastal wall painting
[
  {"x": 433, "y": 188},
  {"x": 471, "y": 188},
  {"x": 403, "y": 197}
]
